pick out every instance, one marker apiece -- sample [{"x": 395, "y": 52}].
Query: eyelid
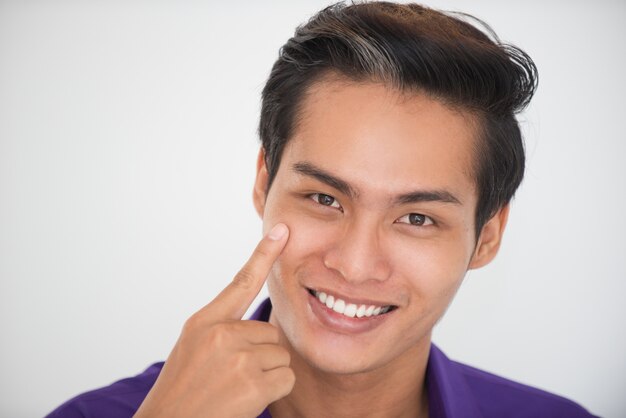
[{"x": 429, "y": 221}]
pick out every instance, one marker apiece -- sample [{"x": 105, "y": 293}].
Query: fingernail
[{"x": 277, "y": 232}]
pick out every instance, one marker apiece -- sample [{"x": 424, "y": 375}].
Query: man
[{"x": 390, "y": 153}]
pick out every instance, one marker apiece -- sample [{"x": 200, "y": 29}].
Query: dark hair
[{"x": 411, "y": 48}]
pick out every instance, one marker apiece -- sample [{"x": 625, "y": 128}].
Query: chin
[{"x": 337, "y": 363}]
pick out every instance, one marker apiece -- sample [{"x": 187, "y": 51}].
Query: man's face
[{"x": 377, "y": 191}]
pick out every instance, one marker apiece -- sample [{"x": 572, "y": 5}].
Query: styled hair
[{"x": 411, "y": 48}]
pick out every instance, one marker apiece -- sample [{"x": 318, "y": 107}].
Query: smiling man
[{"x": 390, "y": 153}]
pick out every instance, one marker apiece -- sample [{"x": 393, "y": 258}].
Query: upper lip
[{"x": 350, "y": 299}]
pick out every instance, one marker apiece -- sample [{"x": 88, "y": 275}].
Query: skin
[
  {"x": 223, "y": 366},
  {"x": 382, "y": 144},
  {"x": 374, "y": 154}
]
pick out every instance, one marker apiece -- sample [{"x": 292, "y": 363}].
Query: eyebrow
[
  {"x": 310, "y": 170},
  {"x": 441, "y": 196}
]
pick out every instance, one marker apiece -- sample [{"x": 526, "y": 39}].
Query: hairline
[{"x": 331, "y": 75}]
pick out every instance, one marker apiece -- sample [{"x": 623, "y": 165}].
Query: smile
[{"x": 350, "y": 310}]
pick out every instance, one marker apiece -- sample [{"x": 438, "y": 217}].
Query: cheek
[
  {"x": 308, "y": 239},
  {"x": 301, "y": 257},
  {"x": 433, "y": 269}
]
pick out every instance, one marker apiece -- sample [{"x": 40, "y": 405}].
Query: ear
[
  {"x": 490, "y": 239},
  {"x": 260, "y": 184}
]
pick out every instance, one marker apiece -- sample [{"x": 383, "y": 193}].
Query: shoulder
[
  {"x": 120, "y": 399},
  {"x": 496, "y": 396}
]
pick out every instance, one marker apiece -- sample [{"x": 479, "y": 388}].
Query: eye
[
  {"x": 416, "y": 219},
  {"x": 325, "y": 200}
]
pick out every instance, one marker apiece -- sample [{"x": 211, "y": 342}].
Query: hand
[{"x": 222, "y": 366}]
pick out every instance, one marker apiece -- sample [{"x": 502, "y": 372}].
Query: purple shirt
[{"x": 454, "y": 390}]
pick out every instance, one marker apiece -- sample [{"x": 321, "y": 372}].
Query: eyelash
[{"x": 423, "y": 220}]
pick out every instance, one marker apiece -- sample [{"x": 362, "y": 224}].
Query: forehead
[{"x": 380, "y": 139}]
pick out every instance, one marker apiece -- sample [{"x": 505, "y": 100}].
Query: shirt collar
[{"x": 449, "y": 395}]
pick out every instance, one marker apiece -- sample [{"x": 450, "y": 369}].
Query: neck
[{"x": 394, "y": 390}]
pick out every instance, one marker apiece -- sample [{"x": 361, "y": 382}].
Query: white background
[{"x": 127, "y": 150}]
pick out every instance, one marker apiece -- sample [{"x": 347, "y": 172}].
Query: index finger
[{"x": 236, "y": 298}]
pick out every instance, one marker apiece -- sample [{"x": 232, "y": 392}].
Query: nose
[{"x": 357, "y": 254}]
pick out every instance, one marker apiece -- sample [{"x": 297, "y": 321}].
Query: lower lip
[{"x": 343, "y": 324}]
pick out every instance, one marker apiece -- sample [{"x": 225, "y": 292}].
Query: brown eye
[
  {"x": 325, "y": 200},
  {"x": 416, "y": 219}
]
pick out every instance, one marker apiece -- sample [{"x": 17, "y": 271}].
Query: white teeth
[
  {"x": 340, "y": 306},
  {"x": 350, "y": 310}
]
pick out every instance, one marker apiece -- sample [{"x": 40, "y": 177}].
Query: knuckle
[
  {"x": 269, "y": 332},
  {"x": 220, "y": 335},
  {"x": 192, "y": 324},
  {"x": 239, "y": 361},
  {"x": 287, "y": 356},
  {"x": 284, "y": 382},
  {"x": 262, "y": 252},
  {"x": 244, "y": 279},
  {"x": 282, "y": 354},
  {"x": 273, "y": 334},
  {"x": 290, "y": 377},
  {"x": 288, "y": 381}
]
